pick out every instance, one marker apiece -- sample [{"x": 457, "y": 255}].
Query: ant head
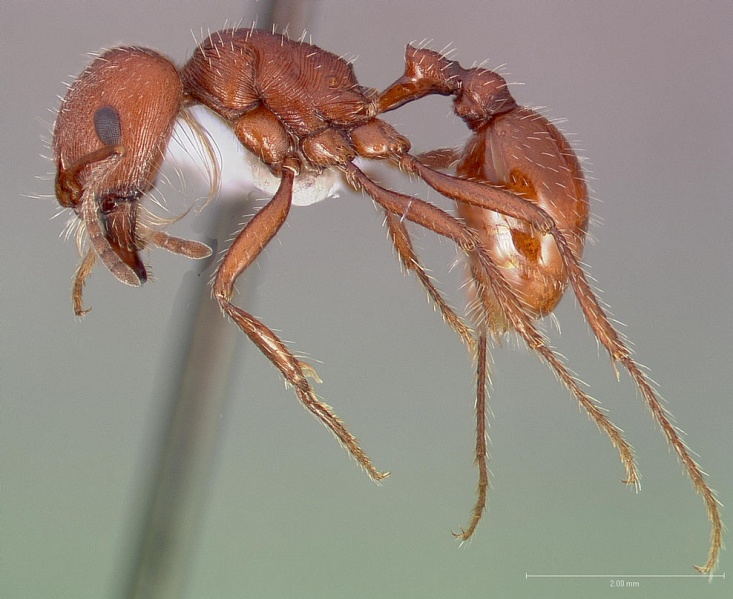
[
  {"x": 108, "y": 143},
  {"x": 482, "y": 96}
]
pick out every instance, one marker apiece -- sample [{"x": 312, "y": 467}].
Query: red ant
[{"x": 520, "y": 191}]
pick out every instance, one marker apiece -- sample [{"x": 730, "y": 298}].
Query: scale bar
[{"x": 626, "y": 576}]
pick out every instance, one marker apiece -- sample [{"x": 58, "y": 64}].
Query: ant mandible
[{"x": 520, "y": 191}]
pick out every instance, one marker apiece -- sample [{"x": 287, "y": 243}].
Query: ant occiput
[{"x": 521, "y": 198}]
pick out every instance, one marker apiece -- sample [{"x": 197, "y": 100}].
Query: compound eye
[{"x": 107, "y": 125}]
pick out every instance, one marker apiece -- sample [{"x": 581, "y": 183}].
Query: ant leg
[
  {"x": 481, "y": 455},
  {"x": 488, "y": 276},
  {"x": 403, "y": 244},
  {"x": 246, "y": 247},
  {"x": 612, "y": 341},
  {"x": 491, "y": 198},
  {"x": 507, "y": 203},
  {"x": 261, "y": 132}
]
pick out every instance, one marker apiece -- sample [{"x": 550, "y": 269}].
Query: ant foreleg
[{"x": 246, "y": 247}]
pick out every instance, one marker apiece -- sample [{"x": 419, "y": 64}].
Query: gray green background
[{"x": 646, "y": 88}]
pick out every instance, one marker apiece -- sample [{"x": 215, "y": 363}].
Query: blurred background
[{"x": 645, "y": 88}]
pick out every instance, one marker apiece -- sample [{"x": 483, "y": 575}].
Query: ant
[{"x": 521, "y": 196}]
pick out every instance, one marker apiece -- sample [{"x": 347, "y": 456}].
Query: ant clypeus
[{"x": 521, "y": 196}]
